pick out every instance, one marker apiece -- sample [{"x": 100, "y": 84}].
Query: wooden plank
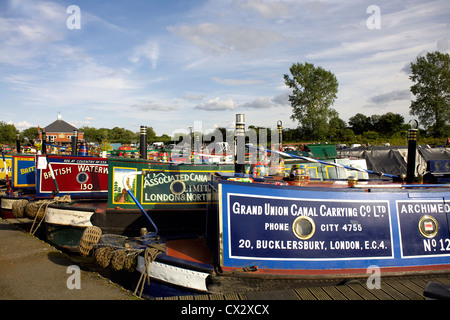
[
  {"x": 232, "y": 296},
  {"x": 348, "y": 292},
  {"x": 421, "y": 282},
  {"x": 380, "y": 294},
  {"x": 319, "y": 293},
  {"x": 404, "y": 290},
  {"x": 443, "y": 280},
  {"x": 216, "y": 297},
  {"x": 362, "y": 291},
  {"x": 334, "y": 293},
  {"x": 396, "y": 295},
  {"x": 305, "y": 294},
  {"x": 413, "y": 287}
]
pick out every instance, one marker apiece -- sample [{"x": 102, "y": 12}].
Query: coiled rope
[
  {"x": 32, "y": 212},
  {"x": 120, "y": 252}
]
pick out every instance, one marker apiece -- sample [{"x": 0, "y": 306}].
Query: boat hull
[{"x": 7, "y": 204}]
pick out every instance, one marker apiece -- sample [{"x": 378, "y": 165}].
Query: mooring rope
[
  {"x": 46, "y": 203},
  {"x": 151, "y": 252}
]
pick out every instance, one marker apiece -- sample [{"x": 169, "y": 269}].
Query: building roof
[{"x": 60, "y": 126}]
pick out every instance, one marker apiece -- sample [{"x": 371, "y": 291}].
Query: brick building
[{"x": 60, "y": 132}]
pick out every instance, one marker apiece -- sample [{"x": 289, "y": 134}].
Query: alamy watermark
[
  {"x": 374, "y": 21},
  {"x": 73, "y": 22},
  {"x": 374, "y": 280},
  {"x": 74, "y": 280}
]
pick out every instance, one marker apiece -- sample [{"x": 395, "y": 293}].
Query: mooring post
[
  {"x": 143, "y": 143},
  {"x": 239, "y": 144},
  {"x": 412, "y": 144}
]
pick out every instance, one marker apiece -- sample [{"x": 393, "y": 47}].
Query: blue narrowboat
[{"x": 267, "y": 233}]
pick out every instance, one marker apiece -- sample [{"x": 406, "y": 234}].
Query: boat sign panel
[
  {"x": 24, "y": 175},
  {"x": 74, "y": 175},
  {"x": 307, "y": 229},
  {"x": 166, "y": 186},
  {"x": 424, "y": 227}
]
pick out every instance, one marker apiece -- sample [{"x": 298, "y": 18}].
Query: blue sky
[{"x": 174, "y": 64}]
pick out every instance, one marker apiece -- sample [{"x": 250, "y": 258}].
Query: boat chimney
[
  {"x": 412, "y": 144},
  {"x": 44, "y": 142},
  {"x": 143, "y": 143},
  {"x": 74, "y": 142},
  {"x": 280, "y": 134},
  {"x": 239, "y": 144},
  {"x": 18, "y": 142}
]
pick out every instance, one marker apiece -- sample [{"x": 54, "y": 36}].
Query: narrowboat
[
  {"x": 18, "y": 173},
  {"x": 267, "y": 233},
  {"x": 174, "y": 194}
]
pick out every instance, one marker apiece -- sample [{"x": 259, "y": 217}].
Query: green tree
[
  {"x": 90, "y": 134},
  {"x": 388, "y": 123},
  {"x": 431, "y": 77},
  {"x": 314, "y": 91},
  {"x": 360, "y": 123},
  {"x": 337, "y": 128},
  {"x": 122, "y": 135},
  {"x": 7, "y": 133},
  {"x": 31, "y": 133}
]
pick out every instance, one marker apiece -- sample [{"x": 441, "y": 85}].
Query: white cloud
[
  {"x": 193, "y": 97},
  {"x": 282, "y": 99},
  {"x": 236, "y": 82},
  {"x": 267, "y": 9},
  {"x": 217, "y": 105},
  {"x": 218, "y": 39},
  {"x": 22, "y": 125},
  {"x": 149, "y": 51},
  {"x": 152, "y": 106},
  {"x": 391, "y": 96},
  {"x": 258, "y": 103}
]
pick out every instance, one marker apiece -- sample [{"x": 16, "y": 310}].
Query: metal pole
[
  {"x": 143, "y": 143},
  {"x": 239, "y": 145},
  {"x": 412, "y": 144}
]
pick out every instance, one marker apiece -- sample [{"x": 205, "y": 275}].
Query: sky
[{"x": 173, "y": 64}]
